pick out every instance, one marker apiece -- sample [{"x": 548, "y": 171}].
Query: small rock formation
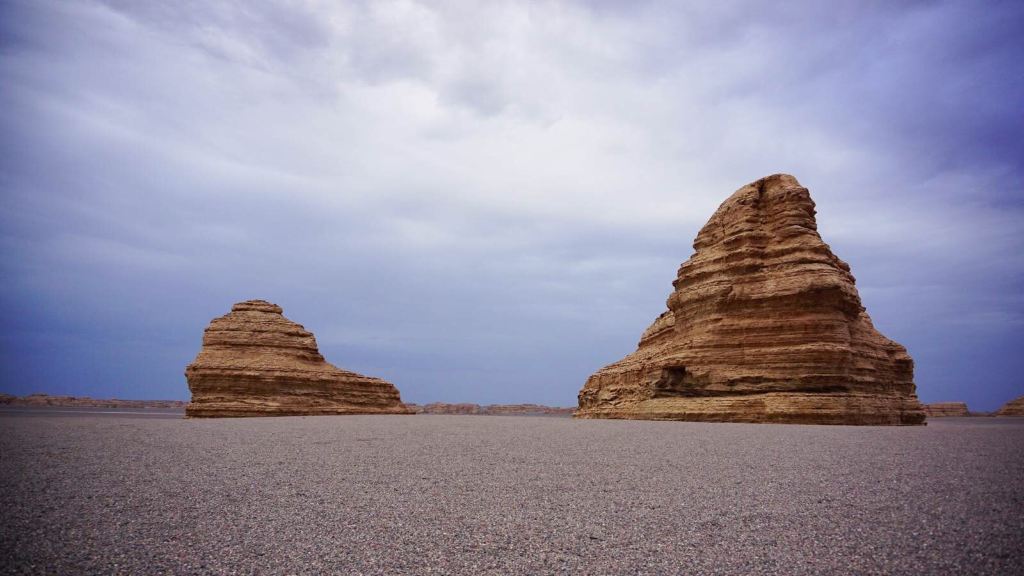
[
  {"x": 764, "y": 325},
  {"x": 1012, "y": 408},
  {"x": 527, "y": 410},
  {"x": 256, "y": 362},
  {"x": 491, "y": 409},
  {"x": 462, "y": 408},
  {"x": 943, "y": 409}
]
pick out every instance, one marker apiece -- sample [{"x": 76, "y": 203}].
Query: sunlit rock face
[
  {"x": 765, "y": 325},
  {"x": 256, "y": 362}
]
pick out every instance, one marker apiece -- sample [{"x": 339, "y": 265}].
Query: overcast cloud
[{"x": 487, "y": 201}]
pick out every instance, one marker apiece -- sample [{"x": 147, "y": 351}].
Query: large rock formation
[
  {"x": 943, "y": 409},
  {"x": 256, "y": 362},
  {"x": 764, "y": 325},
  {"x": 1012, "y": 408}
]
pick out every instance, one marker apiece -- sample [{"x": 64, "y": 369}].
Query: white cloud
[{"x": 544, "y": 164}]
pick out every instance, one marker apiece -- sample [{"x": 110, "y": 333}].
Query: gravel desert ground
[{"x": 506, "y": 495}]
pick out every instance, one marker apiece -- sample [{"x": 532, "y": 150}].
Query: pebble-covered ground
[{"x": 91, "y": 494}]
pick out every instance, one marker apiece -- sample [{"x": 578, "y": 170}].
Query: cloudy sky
[{"x": 488, "y": 201}]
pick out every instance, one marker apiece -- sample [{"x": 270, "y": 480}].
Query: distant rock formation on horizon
[
  {"x": 256, "y": 362},
  {"x": 765, "y": 325},
  {"x": 527, "y": 409},
  {"x": 491, "y": 409},
  {"x": 1014, "y": 407},
  {"x": 943, "y": 409},
  {"x": 40, "y": 400}
]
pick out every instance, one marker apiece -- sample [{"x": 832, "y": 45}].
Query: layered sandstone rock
[
  {"x": 256, "y": 362},
  {"x": 764, "y": 325},
  {"x": 943, "y": 409},
  {"x": 1012, "y": 408}
]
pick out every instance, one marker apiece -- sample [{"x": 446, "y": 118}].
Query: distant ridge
[
  {"x": 492, "y": 409},
  {"x": 943, "y": 409},
  {"x": 86, "y": 402},
  {"x": 42, "y": 400}
]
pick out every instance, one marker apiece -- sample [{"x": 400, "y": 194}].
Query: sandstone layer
[
  {"x": 765, "y": 325},
  {"x": 256, "y": 362},
  {"x": 1012, "y": 408},
  {"x": 943, "y": 409}
]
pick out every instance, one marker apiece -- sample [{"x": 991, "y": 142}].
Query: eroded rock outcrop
[
  {"x": 943, "y": 409},
  {"x": 1012, "y": 408},
  {"x": 256, "y": 362},
  {"x": 764, "y": 325}
]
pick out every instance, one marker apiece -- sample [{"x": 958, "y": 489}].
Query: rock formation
[
  {"x": 43, "y": 400},
  {"x": 462, "y": 408},
  {"x": 764, "y": 325},
  {"x": 943, "y": 409},
  {"x": 1012, "y": 408},
  {"x": 526, "y": 410},
  {"x": 256, "y": 362}
]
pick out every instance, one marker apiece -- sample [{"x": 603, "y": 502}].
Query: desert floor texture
[{"x": 103, "y": 493}]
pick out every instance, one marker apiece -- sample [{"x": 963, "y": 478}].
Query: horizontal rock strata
[
  {"x": 1012, "y": 408},
  {"x": 943, "y": 409},
  {"x": 765, "y": 325},
  {"x": 256, "y": 362}
]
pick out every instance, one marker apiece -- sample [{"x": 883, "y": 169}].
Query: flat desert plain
[{"x": 143, "y": 494}]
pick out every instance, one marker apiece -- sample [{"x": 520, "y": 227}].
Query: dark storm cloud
[{"x": 488, "y": 202}]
